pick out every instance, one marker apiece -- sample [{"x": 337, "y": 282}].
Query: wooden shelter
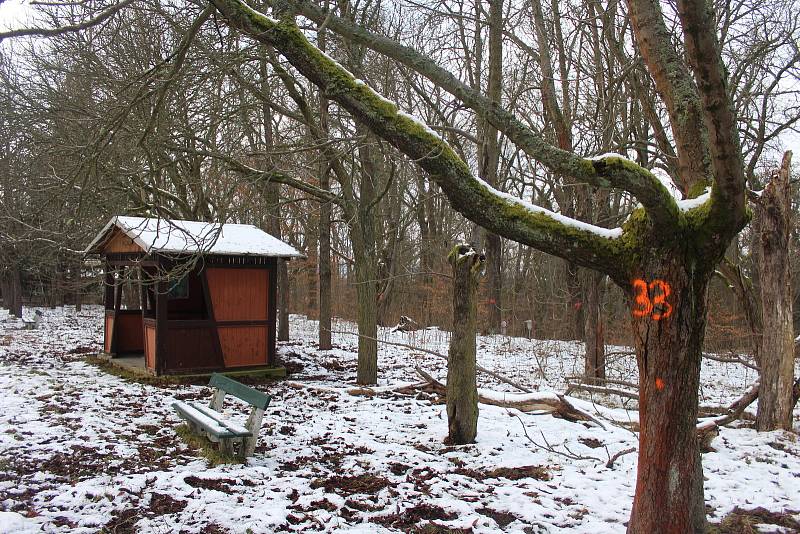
[{"x": 189, "y": 296}]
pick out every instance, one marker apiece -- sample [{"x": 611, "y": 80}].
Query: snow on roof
[{"x": 190, "y": 237}]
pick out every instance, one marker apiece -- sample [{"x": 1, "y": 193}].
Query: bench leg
[
  {"x": 217, "y": 399},
  {"x": 226, "y": 446},
  {"x": 254, "y": 426}
]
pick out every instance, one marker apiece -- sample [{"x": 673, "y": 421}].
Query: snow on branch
[
  {"x": 498, "y": 212},
  {"x": 605, "y": 171}
]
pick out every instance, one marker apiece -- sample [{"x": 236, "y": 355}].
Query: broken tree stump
[{"x": 462, "y": 388}]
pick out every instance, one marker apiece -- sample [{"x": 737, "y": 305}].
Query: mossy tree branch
[
  {"x": 728, "y": 207},
  {"x": 639, "y": 182},
  {"x": 497, "y": 212},
  {"x": 677, "y": 89}
]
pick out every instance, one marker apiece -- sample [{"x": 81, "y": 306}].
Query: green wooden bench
[{"x": 208, "y": 421}]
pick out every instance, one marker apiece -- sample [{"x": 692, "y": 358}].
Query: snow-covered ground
[{"x": 82, "y": 450}]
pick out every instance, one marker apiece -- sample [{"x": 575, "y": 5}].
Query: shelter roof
[{"x": 193, "y": 237}]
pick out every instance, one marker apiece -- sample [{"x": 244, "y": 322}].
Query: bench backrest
[{"x": 251, "y": 396}]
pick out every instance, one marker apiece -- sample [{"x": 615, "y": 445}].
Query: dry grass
[{"x": 206, "y": 448}]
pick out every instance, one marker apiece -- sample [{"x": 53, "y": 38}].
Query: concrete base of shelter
[{"x": 136, "y": 365}]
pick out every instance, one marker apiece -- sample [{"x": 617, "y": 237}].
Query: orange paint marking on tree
[
  {"x": 643, "y": 306},
  {"x": 659, "y": 383}
]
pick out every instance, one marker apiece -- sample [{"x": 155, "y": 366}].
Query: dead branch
[
  {"x": 708, "y": 429},
  {"x": 612, "y": 459},
  {"x": 583, "y": 379},
  {"x": 483, "y": 370},
  {"x": 731, "y": 360},
  {"x": 601, "y": 389},
  {"x": 551, "y": 403},
  {"x": 549, "y": 448},
  {"x": 51, "y": 32}
]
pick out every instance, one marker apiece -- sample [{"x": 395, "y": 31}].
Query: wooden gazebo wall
[{"x": 228, "y": 320}]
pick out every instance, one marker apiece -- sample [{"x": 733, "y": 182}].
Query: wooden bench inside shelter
[{"x": 210, "y": 422}]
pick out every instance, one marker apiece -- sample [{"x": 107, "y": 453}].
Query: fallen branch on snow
[
  {"x": 549, "y": 448},
  {"x": 733, "y": 359},
  {"x": 584, "y": 379},
  {"x": 551, "y": 403},
  {"x": 612, "y": 459},
  {"x": 709, "y": 429},
  {"x": 483, "y": 370},
  {"x": 600, "y": 389}
]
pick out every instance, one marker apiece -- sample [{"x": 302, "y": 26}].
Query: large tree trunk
[
  {"x": 283, "y": 301},
  {"x": 669, "y": 336},
  {"x": 324, "y": 229},
  {"x": 490, "y": 160},
  {"x": 595, "y": 363},
  {"x": 312, "y": 264},
  {"x": 78, "y": 287},
  {"x": 777, "y": 337},
  {"x": 576, "y": 305},
  {"x": 325, "y": 271},
  {"x": 363, "y": 236},
  {"x": 12, "y": 291},
  {"x": 272, "y": 197},
  {"x": 367, "y": 313},
  {"x": 462, "y": 389}
]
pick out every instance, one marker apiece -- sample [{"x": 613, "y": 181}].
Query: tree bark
[
  {"x": 78, "y": 287},
  {"x": 594, "y": 334},
  {"x": 12, "y": 291},
  {"x": 777, "y": 337},
  {"x": 669, "y": 336},
  {"x": 311, "y": 266},
  {"x": 489, "y": 156},
  {"x": 324, "y": 228},
  {"x": 462, "y": 389},
  {"x": 283, "y": 301},
  {"x": 272, "y": 197},
  {"x": 363, "y": 235},
  {"x": 366, "y": 294}
]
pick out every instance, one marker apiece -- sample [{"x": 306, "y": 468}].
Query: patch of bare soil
[
  {"x": 398, "y": 468},
  {"x": 503, "y": 519},
  {"x": 407, "y": 519},
  {"x": 218, "y": 484},
  {"x": 211, "y": 528},
  {"x": 83, "y": 462},
  {"x": 322, "y": 504},
  {"x": 592, "y": 443},
  {"x": 295, "y": 464},
  {"x": 362, "y": 506},
  {"x": 537, "y": 472},
  {"x": 741, "y": 521},
  {"x": 366, "y": 483},
  {"x": 293, "y": 366},
  {"x": 162, "y": 504},
  {"x": 122, "y": 522}
]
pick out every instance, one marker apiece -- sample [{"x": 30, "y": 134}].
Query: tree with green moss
[{"x": 663, "y": 256}]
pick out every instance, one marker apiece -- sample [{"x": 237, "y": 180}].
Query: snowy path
[{"x": 81, "y": 450}]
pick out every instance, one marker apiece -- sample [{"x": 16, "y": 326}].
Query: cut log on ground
[{"x": 551, "y": 403}]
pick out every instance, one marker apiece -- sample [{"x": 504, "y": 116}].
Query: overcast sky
[{"x": 13, "y": 14}]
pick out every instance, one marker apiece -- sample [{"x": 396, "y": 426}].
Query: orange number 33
[{"x": 658, "y": 308}]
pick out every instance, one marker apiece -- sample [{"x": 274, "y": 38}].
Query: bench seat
[{"x": 211, "y": 421}]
